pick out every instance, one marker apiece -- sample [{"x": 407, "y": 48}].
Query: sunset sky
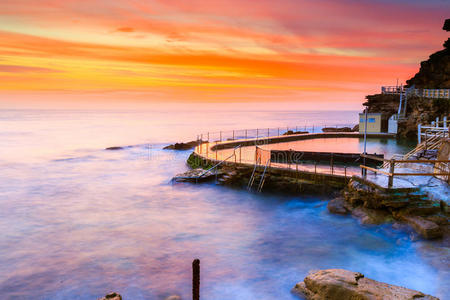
[{"x": 136, "y": 51}]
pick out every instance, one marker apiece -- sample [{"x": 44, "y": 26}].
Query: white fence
[{"x": 426, "y": 93}]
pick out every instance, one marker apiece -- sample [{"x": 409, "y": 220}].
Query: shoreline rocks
[
  {"x": 183, "y": 146},
  {"x": 340, "y": 284},
  {"x": 372, "y": 206}
]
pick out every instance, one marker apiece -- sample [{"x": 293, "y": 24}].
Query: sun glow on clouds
[{"x": 214, "y": 51}]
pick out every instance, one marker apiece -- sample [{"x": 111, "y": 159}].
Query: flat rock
[
  {"x": 339, "y": 284},
  {"x": 425, "y": 228},
  {"x": 112, "y": 296},
  {"x": 193, "y": 175},
  {"x": 370, "y": 216}
]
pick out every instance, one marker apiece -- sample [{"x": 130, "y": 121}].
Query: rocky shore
[
  {"x": 183, "y": 146},
  {"x": 339, "y": 284},
  {"x": 427, "y": 217}
]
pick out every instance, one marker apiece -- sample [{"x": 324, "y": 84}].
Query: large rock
[
  {"x": 425, "y": 228},
  {"x": 112, "y": 296},
  {"x": 338, "y": 284},
  {"x": 371, "y": 216},
  {"x": 337, "y": 206}
]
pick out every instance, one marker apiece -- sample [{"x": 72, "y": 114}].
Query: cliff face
[
  {"x": 423, "y": 111},
  {"x": 434, "y": 73}
]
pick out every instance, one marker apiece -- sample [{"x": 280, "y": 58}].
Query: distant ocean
[{"x": 78, "y": 221}]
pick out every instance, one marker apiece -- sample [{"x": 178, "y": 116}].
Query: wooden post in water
[
  {"x": 391, "y": 173},
  {"x": 196, "y": 279}
]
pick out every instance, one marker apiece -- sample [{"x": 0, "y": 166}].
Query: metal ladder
[{"x": 262, "y": 177}]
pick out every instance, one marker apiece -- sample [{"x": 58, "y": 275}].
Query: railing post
[
  {"x": 313, "y": 129},
  {"x": 419, "y": 133},
  {"x": 196, "y": 279},
  {"x": 345, "y": 171},
  {"x": 233, "y": 135},
  {"x": 278, "y": 131},
  {"x": 208, "y": 136},
  {"x": 220, "y": 136},
  {"x": 216, "y": 150},
  {"x": 391, "y": 173},
  {"x": 268, "y": 132},
  {"x": 201, "y": 143},
  {"x": 257, "y": 133},
  {"x": 245, "y": 133}
]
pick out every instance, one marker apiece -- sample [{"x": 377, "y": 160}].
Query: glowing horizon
[{"x": 219, "y": 51}]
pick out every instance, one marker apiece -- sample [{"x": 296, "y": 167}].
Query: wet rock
[
  {"x": 371, "y": 216},
  {"x": 339, "y": 284},
  {"x": 425, "y": 228},
  {"x": 112, "y": 296},
  {"x": 183, "y": 146},
  {"x": 193, "y": 175},
  {"x": 337, "y": 206},
  {"x": 114, "y": 148}
]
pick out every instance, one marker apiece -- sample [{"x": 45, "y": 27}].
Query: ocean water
[{"x": 77, "y": 221}]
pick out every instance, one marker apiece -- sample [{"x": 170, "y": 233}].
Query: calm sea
[{"x": 77, "y": 221}]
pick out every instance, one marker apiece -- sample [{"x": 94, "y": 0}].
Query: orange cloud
[{"x": 216, "y": 50}]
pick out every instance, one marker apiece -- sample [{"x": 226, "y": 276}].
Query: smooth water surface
[{"x": 77, "y": 221}]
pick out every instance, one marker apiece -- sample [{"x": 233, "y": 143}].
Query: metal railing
[
  {"x": 425, "y": 93},
  {"x": 436, "y": 127},
  {"x": 442, "y": 170},
  {"x": 256, "y": 133}
]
